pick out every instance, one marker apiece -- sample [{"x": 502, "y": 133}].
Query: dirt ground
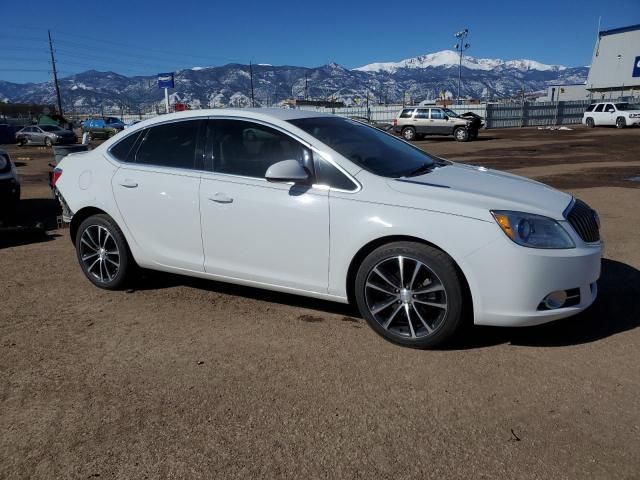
[{"x": 183, "y": 378}]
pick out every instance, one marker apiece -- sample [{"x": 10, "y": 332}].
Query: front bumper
[{"x": 516, "y": 280}]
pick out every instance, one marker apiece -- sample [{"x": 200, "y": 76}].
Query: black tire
[
  {"x": 413, "y": 332},
  {"x": 409, "y": 133},
  {"x": 461, "y": 134},
  {"x": 621, "y": 122},
  {"x": 22, "y": 142},
  {"x": 590, "y": 123},
  {"x": 48, "y": 142},
  {"x": 473, "y": 135},
  {"x": 104, "y": 274}
]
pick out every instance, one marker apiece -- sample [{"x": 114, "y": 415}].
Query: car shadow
[
  {"x": 154, "y": 280},
  {"x": 616, "y": 310},
  {"x": 30, "y": 223},
  {"x": 434, "y": 139}
]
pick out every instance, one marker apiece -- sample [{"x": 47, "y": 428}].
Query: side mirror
[
  {"x": 287, "y": 171},
  {"x": 446, "y": 117}
]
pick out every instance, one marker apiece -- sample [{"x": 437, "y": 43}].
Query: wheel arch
[{"x": 359, "y": 257}]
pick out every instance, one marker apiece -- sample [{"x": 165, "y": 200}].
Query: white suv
[
  {"x": 328, "y": 207},
  {"x": 621, "y": 114}
]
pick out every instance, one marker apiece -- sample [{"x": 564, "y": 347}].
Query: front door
[
  {"x": 157, "y": 194},
  {"x": 440, "y": 122},
  {"x": 254, "y": 230},
  {"x": 609, "y": 115}
]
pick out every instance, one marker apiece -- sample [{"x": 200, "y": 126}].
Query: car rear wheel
[
  {"x": 590, "y": 123},
  {"x": 103, "y": 252},
  {"x": 410, "y": 294},
  {"x": 621, "y": 122},
  {"x": 461, "y": 134},
  {"x": 409, "y": 133}
]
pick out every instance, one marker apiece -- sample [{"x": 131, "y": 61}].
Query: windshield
[
  {"x": 450, "y": 113},
  {"x": 627, "y": 106},
  {"x": 368, "y": 147},
  {"x": 49, "y": 128}
]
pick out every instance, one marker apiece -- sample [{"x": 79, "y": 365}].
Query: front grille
[{"x": 583, "y": 219}]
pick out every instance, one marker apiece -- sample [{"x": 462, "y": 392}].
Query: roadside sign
[
  {"x": 165, "y": 80},
  {"x": 636, "y": 67}
]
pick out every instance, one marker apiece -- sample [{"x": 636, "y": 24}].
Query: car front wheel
[
  {"x": 103, "y": 252},
  {"x": 410, "y": 294},
  {"x": 461, "y": 134}
]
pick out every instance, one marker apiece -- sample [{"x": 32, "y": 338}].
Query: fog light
[{"x": 555, "y": 299}]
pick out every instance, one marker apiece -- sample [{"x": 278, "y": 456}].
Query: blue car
[{"x": 105, "y": 127}]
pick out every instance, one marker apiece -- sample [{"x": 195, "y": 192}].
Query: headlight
[{"x": 534, "y": 231}]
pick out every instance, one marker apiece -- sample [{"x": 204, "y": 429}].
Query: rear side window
[
  {"x": 422, "y": 113},
  {"x": 599, "y": 107},
  {"x": 170, "y": 145},
  {"x": 590, "y": 108},
  {"x": 122, "y": 150},
  {"x": 437, "y": 114},
  {"x": 407, "y": 113}
]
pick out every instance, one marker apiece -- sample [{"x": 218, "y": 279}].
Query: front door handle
[
  {"x": 127, "y": 183},
  {"x": 221, "y": 198}
]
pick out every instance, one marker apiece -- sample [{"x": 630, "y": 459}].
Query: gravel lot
[{"x": 183, "y": 378}]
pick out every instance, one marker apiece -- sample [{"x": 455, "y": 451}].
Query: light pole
[{"x": 461, "y": 47}]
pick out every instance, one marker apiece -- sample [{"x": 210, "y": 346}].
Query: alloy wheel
[
  {"x": 406, "y": 297},
  {"x": 99, "y": 253}
]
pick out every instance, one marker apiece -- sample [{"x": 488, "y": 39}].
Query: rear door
[
  {"x": 157, "y": 192},
  {"x": 598, "y": 115},
  {"x": 422, "y": 122}
]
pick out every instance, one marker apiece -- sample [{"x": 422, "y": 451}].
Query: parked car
[
  {"x": 9, "y": 187},
  {"x": 45, "y": 135},
  {"x": 414, "y": 123},
  {"x": 131, "y": 123},
  {"x": 621, "y": 114},
  {"x": 331, "y": 208},
  {"x": 103, "y": 127}
]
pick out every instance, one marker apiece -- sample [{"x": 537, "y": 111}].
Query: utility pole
[
  {"x": 461, "y": 47},
  {"x": 55, "y": 74},
  {"x": 251, "y": 77}
]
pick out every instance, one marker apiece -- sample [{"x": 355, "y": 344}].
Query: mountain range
[{"x": 418, "y": 78}]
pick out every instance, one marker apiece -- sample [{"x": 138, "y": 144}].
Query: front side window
[
  {"x": 170, "y": 145},
  {"x": 248, "y": 149},
  {"x": 599, "y": 107},
  {"x": 329, "y": 175},
  {"x": 609, "y": 108},
  {"x": 367, "y": 147},
  {"x": 450, "y": 113},
  {"x": 436, "y": 114}
]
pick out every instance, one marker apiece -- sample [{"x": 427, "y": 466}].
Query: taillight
[
  {"x": 57, "y": 173},
  {"x": 395, "y": 122}
]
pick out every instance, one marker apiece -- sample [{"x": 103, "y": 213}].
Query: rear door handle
[
  {"x": 128, "y": 183},
  {"x": 221, "y": 198}
]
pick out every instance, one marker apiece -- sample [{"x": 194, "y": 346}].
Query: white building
[{"x": 615, "y": 67}]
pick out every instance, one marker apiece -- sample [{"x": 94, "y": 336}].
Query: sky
[{"x": 144, "y": 37}]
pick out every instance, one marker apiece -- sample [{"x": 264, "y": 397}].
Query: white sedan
[{"x": 331, "y": 208}]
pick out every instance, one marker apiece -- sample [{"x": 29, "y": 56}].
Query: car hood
[{"x": 474, "y": 191}]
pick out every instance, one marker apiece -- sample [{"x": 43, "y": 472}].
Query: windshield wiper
[{"x": 424, "y": 168}]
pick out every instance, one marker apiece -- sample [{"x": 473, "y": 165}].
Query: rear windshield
[{"x": 367, "y": 147}]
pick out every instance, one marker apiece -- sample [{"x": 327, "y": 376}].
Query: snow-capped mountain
[
  {"x": 450, "y": 58},
  {"x": 420, "y": 78}
]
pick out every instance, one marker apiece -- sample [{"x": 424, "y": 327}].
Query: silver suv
[{"x": 415, "y": 122}]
